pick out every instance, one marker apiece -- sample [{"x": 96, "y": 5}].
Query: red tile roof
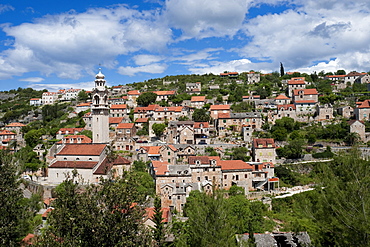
[
  {"x": 162, "y": 93},
  {"x": 142, "y": 120},
  {"x": 296, "y": 82},
  {"x": 6, "y": 132},
  {"x": 265, "y": 142},
  {"x": 84, "y": 104},
  {"x": 282, "y": 96},
  {"x": 172, "y": 147},
  {"x": 82, "y": 149},
  {"x": 160, "y": 167},
  {"x": 235, "y": 165},
  {"x": 15, "y": 125},
  {"x": 74, "y": 164},
  {"x": 125, "y": 125},
  {"x": 365, "y": 104},
  {"x": 205, "y": 124},
  {"x": 152, "y": 149},
  {"x": 286, "y": 107},
  {"x": 219, "y": 107},
  {"x": 133, "y": 92},
  {"x": 305, "y": 91},
  {"x": 122, "y": 106},
  {"x": 198, "y": 98},
  {"x": 106, "y": 166},
  {"x": 203, "y": 159},
  {"x": 305, "y": 101},
  {"x": 74, "y": 139},
  {"x": 34, "y": 99},
  {"x": 115, "y": 120}
]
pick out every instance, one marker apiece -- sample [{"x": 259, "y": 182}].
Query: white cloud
[
  {"x": 218, "y": 67},
  {"x": 5, "y": 7},
  {"x": 72, "y": 43},
  {"x": 151, "y": 68},
  {"x": 55, "y": 87},
  {"x": 205, "y": 54},
  {"x": 315, "y": 31},
  {"x": 206, "y": 18},
  {"x": 146, "y": 59},
  {"x": 32, "y": 79}
]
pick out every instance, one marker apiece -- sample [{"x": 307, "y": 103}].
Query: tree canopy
[{"x": 146, "y": 98}]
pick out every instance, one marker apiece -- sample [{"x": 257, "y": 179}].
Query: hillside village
[{"x": 193, "y": 133}]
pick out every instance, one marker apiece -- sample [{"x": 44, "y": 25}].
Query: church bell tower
[{"x": 100, "y": 111}]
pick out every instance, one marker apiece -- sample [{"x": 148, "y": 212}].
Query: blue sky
[{"x": 57, "y": 45}]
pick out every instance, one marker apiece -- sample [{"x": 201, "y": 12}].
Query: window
[
  {"x": 169, "y": 160},
  {"x": 246, "y": 176},
  {"x": 169, "y": 153},
  {"x": 198, "y": 178},
  {"x": 237, "y": 177},
  {"x": 178, "y": 197},
  {"x": 206, "y": 177}
]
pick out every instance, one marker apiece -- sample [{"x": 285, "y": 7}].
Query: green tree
[
  {"x": 158, "y": 128},
  {"x": 240, "y": 153},
  {"x": 342, "y": 204},
  {"x": 108, "y": 214},
  {"x": 159, "y": 230},
  {"x": 201, "y": 115},
  {"x": 82, "y": 96},
  {"x": 208, "y": 223},
  {"x": 14, "y": 211},
  {"x": 146, "y": 98}
]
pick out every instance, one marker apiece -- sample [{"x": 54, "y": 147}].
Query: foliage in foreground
[{"x": 108, "y": 214}]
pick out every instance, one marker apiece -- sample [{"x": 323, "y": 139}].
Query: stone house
[
  {"x": 90, "y": 161},
  {"x": 305, "y": 100},
  {"x": 169, "y": 154},
  {"x": 324, "y": 112},
  {"x": 363, "y": 79},
  {"x": 149, "y": 153},
  {"x": 115, "y": 121},
  {"x": 198, "y": 101},
  {"x": 171, "y": 113},
  {"x": 193, "y": 88},
  {"x": 234, "y": 122},
  {"x": 133, "y": 95},
  {"x": 164, "y": 95},
  {"x": 120, "y": 110},
  {"x": 68, "y": 131},
  {"x": 264, "y": 150},
  {"x": 140, "y": 123},
  {"x": 201, "y": 132},
  {"x": 356, "y": 126},
  {"x": 83, "y": 107},
  {"x": 351, "y": 77},
  {"x": 180, "y": 132},
  {"x": 126, "y": 129},
  {"x": 295, "y": 84},
  {"x": 253, "y": 77},
  {"x": 362, "y": 110},
  {"x": 15, "y": 127},
  {"x": 345, "y": 111},
  {"x": 49, "y": 98},
  {"x": 36, "y": 101},
  {"x": 216, "y": 109},
  {"x": 282, "y": 100},
  {"x": 144, "y": 112}
]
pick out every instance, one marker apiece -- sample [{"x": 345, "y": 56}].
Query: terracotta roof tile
[
  {"x": 219, "y": 107},
  {"x": 82, "y": 149},
  {"x": 198, "y": 98},
  {"x": 235, "y": 165},
  {"x": 121, "y": 106},
  {"x": 265, "y": 142},
  {"x": 142, "y": 120},
  {"x": 115, "y": 120},
  {"x": 203, "y": 159},
  {"x": 15, "y": 125},
  {"x": 205, "y": 124},
  {"x": 74, "y": 164},
  {"x": 305, "y": 91},
  {"x": 125, "y": 125},
  {"x": 162, "y": 93}
]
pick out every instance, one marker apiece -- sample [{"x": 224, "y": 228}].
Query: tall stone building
[{"x": 100, "y": 111}]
